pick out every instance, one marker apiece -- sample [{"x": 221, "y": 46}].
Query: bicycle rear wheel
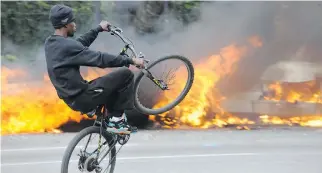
[
  {"x": 86, "y": 159},
  {"x": 158, "y": 103}
]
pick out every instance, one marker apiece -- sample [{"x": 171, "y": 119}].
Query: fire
[
  {"x": 312, "y": 121},
  {"x": 308, "y": 92},
  {"x": 295, "y": 92},
  {"x": 33, "y": 107},
  {"x": 255, "y": 41},
  {"x": 201, "y": 108}
]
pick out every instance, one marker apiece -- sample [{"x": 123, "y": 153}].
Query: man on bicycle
[{"x": 65, "y": 55}]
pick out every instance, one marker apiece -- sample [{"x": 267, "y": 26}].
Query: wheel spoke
[
  {"x": 109, "y": 150},
  {"x": 166, "y": 82},
  {"x": 89, "y": 138},
  {"x": 89, "y": 159}
]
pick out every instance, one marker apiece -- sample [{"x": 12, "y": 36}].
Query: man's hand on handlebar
[
  {"x": 105, "y": 25},
  {"x": 139, "y": 62}
]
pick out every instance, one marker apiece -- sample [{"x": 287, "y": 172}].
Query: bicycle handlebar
[{"x": 117, "y": 31}]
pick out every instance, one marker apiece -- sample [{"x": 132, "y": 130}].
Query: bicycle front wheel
[
  {"x": 167, "y": 83},
  {"x": 84, "y": 158}
]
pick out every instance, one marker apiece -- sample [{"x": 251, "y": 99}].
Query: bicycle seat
[
  {"x": 90, "y": 114},
  {"x": 93, "y": 112}
]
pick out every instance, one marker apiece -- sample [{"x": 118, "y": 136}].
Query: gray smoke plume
[{"x": 284, "y": 27}]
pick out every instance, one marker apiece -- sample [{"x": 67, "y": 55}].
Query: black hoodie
[{"x": 64, "y": 56}]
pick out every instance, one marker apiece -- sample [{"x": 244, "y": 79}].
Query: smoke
[
  {"x": 289, "y": 30},
  {"x": 284, "y": 27},
  {"x": 221, "y": 23}
]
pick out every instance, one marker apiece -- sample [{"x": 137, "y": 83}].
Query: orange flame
[
  {"x": 202, "y": 106},
  {"x": 33, "y": 107},
  {"x": 312, "y": 121},
  {"x": 308, "y": 92},
  {"x": 204, "y": 99},
  {"x": 304, "y": 92}
]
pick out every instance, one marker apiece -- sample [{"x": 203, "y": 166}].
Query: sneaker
[{"x": 119, "y": 125}]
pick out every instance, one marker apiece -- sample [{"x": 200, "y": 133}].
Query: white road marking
[
  {"x": 187, "y": 156},
  {"x": 32, "y": 149},
  {"x": 54, "y": 148},
  {"x": 142, "y": 157}
]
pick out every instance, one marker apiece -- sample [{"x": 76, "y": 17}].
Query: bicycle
[{"x": 89, "y": 161}]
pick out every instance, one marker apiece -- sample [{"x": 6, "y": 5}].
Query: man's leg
[{"x": 117, "y": 89}]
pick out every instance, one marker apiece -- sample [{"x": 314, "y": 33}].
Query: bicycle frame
[
  {"x": 102, "y": 114},
  {"x": 90, "y": 160},
  {"x": 101, "y": 111},
  {"x": 129, "y": 45}
]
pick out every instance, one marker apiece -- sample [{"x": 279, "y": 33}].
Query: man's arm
[
  {"x": 88, "y": 38},
  {"x": 83, "y": 56}
]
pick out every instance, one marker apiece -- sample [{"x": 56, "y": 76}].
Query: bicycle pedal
[
  {"x": 115, "y": 131},
  {"x": 123, "y": 139}
]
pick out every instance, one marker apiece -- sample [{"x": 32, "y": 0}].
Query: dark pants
[{"x": 115, "y": 89}]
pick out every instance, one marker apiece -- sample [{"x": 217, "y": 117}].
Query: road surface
[{"x": 181, "y": 151}]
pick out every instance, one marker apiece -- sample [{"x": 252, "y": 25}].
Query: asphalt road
[{"x": 204, "y": 151}]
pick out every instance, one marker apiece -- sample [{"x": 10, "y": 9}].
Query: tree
[
  {"x": 147, "y": 15},
  {"x": 26, "y": 23}
]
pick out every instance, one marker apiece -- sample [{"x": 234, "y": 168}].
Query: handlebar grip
[{"x": 113, "y": 29}]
